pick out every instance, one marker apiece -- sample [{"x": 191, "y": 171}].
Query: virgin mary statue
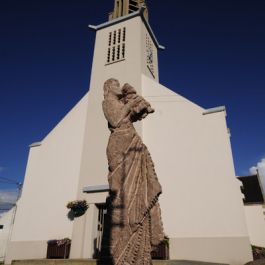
[{"x": 135, "y": 226}]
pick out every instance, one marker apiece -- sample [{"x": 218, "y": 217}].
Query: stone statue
[{"x": 134, "y": 226}]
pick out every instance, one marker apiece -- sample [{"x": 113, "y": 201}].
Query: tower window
[
  {"x": 1, "y": 227},
  {"x": 116, "y": 46},
  {"x": 150, "y": 55},
  {"x": 133, "y": 6},
  {"x": 118, "y": 52},
  {"x": 119, "y": 36},
  {"x": 114, "y": 38},
  {"x": 113, "y": 53},
  {"x": 124, "y": 34},
  {"x": 118, "y": 7},
  {"x": 110, "y": 35},
  {"x": 123, "y": 50},
  {"x": 108, "y": 59}
]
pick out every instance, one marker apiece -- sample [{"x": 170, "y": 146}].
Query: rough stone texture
[{"x": 134, "y": 223}]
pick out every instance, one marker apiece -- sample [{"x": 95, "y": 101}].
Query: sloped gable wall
[
  {"x": 51, "y": 180},
  {"x": 193, "y": 160}
]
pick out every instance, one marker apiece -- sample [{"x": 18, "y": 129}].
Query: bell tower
[
  {"x": 126, "y": 46},
  {"x": 126, "y": 7},
  {"x": 126, "y": 49}
]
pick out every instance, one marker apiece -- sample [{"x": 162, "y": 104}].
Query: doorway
[{"x": 102, "y": 212}]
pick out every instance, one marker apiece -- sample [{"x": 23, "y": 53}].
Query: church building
[{"x": 201, "y": 203}]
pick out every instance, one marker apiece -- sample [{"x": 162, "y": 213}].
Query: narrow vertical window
[
  {"x": 108, "y": 59},
  {"x": 114, "y": 37},
  {"x": 110, "y": 35},
  {"x": 150, "y": 55},
  {"x": 113, "y": 53},
  {"x": 118, "y": 52},
  {"x": 119, "y": 36},
  {"x": 123, "y": 51},
  {"x": 118, "y": 8},
  {"x": 124, "y": 34}
]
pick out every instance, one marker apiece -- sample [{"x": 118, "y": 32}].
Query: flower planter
[
  {"x": 161, "y": 252},
  {"x": 58, "y": 249}
]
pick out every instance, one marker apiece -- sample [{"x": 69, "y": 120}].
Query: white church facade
[
  {"x": 201, "y": 204},
  {"x": 6, "y": 222}
]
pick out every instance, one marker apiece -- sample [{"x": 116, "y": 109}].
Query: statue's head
[{"x": 112, "y": 86}]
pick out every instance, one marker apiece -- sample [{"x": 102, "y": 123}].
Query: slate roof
[{"x": 252, "y": 189}]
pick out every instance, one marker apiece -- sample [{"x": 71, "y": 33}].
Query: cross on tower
[{"x": 125, "y": 7}]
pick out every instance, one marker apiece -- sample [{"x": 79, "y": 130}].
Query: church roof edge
[
  {"x": 215, "y": 110},
  {"x": 96, "y": 189},
  {"x": 36, "y": 144},
  {"x": 124, "y": 18}
]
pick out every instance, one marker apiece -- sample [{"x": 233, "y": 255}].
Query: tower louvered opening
[
  {"x": 125, "y": 7},
  {"x": 116, "y": 46},
  {"x": 133, "y": 6}
]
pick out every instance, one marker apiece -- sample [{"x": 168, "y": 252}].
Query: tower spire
[{"x": 125, "y": 7}]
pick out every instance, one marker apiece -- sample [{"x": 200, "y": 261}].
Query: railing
[{"x": 55, "y": 251}]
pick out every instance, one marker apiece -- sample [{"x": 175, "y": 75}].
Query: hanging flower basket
[{"x": 78, "y": 207}]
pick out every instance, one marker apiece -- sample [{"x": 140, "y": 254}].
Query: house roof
[{"x": 251, "y": 189}]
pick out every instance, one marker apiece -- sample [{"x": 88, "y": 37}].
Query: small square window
[{"x": 1, "y": 227}]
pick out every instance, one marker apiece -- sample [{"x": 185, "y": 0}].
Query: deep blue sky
[{"x": 215, "y": 55}]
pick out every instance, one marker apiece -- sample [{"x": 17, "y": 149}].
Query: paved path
[{"x": 93, "y": 262}]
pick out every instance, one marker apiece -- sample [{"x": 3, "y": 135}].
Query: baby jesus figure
[{"x": 142, "y": 109}]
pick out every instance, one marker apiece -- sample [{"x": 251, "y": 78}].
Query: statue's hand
[
  {"x": 128, "y": 89},
  {"x": 134, "y": 103}
]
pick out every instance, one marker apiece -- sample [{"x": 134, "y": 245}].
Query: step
[{"x": 94, "y": 262}]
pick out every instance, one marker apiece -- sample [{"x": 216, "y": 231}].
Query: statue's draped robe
[{"x": 135, "y": 221}]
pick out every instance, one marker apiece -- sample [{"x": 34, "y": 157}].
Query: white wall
[
  {"x": 255, "y": 216},
  {"x": 5, "y": 220},
  {"x": 51, "y": 181},
  {"x": 192, "y": 155}
]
